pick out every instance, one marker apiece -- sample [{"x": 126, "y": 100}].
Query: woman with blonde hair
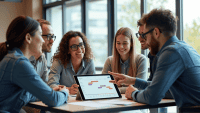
[
  {"x": 125, "y": 60},
  {"x": 73, "y": 57}
]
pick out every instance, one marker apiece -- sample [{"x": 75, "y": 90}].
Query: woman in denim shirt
[
  {"x": 19, "y": 81},
  {"x": 73, "y": 57}
]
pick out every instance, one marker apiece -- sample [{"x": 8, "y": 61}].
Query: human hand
[
  {"x": 73, "y": 89},
  {"x": 121, "y": 79},
  {"x": 129, "y": 91}
]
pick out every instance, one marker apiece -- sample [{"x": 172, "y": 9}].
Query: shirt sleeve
[
  {"x": 45, "y": 72},
  {"x": 169, "y": 68},
  {"x": 141, "y": 67},
  {"x": 54, "y": 74},
  {"x": 107, "y": 66},
  {"x": 26, "y": 77}
]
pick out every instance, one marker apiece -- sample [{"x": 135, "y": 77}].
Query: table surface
[{"x": 106, "y": 105}]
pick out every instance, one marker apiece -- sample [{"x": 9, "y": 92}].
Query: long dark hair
[
  {"x": 16, "y": 33},
  {"x": 63, "y": 49}
]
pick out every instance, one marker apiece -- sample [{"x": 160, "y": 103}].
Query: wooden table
[{"x": 115, "y": 105}]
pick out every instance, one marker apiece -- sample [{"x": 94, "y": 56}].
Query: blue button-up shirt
[
  {"x": 177, "y": 70},
  {"x": 19, "y": 82},
  {"x": 64, "y": 76}
]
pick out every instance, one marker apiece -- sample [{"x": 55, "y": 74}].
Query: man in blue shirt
[{"x": 177, "y": 68}]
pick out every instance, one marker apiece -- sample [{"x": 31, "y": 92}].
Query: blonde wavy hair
[{"x": 116, "y": 56}]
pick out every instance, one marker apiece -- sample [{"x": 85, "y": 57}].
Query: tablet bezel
[{"x": 81, "y": 92}]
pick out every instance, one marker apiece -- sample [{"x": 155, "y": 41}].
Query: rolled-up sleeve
[
  {"x": 54, "y": 74},
  {"x": 26, "y": 77},
  {"x": 169, "y": 68}
]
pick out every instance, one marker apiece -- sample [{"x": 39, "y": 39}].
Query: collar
[
  {"x": 126, "y": 62},
  {"x": 150, "y": 56},
  {"x": 69, "y": 65},
  {"x": 168, "y": 42}
]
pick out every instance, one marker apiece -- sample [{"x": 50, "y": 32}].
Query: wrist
[{"x": 133, "y": 79}]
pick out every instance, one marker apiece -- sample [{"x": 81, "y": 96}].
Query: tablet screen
[{"x": 97, "y": 87}]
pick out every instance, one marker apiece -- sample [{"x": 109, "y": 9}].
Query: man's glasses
[
  {"x": 143, "y": 35},
  {"x": 75, "y": 47},
  {"x": 49, "y": 37},
  {"x": 137, "y": 35}
]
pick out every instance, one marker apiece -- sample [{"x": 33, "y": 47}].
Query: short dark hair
[
  {"x": 42, "y": 21},
  {"x": 162, "y": 19},
  {"x": 142, "y": 20}
]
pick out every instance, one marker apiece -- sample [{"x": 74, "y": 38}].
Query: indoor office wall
[{"x": 10, "y": 10}]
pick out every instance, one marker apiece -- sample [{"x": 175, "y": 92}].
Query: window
[
  {"x": 166, "y": 4},
  {"x": 191, "y": 23},
  {"x": 50, "y": 1},
  {"x": 128, "y": 13},
  {"x": 54, "y": 16},
  {"x": 73, "y": 16},
  {"x": 98, "y": 31}
]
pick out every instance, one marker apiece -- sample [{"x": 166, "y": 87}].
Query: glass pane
[
  {"x": 54, "y": 16},
  {"x": 128, "y": 13},
  {"x": 98, "y": 31},
  {"x": 191, "y": 23},
  {"x": 166, "y": 4},
  {"x": 73, "y": 16},
  {"x": 50, "y": 1}
]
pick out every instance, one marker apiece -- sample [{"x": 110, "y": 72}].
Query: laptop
[{"x": 95, "y": 87}]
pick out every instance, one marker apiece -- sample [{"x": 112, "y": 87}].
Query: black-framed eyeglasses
[
  {"x": 49, "y": 37},
  {"x": 143, "y": 35},
  {"x": 75, "y": 47},
  {"x": 138, "y": 35}
]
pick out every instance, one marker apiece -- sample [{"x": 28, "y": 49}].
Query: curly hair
[
  {"x": 142, "y": 20},
  {"x": 162, "y": 19},
  {"x": 63, "y": 48}
]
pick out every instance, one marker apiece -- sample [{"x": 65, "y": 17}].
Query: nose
[
  {"x": 140, "y": 38},
  {"x": 79, "y": 49},
  {"x": 51, "y": 41}
]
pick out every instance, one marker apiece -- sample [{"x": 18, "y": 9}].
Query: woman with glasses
[
  {"x": 19, "y": 82},
  {"x": 124, "y": 59},
  {"x": 73, "y": 57}
]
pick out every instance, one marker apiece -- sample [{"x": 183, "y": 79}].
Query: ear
[
  {"x": 28, "y": 38},
  {"x": 156, "y": 32}
]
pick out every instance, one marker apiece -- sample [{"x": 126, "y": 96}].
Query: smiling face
[
  {"x": 47, "y": 30},
  {"x": 79, "y": 53},
  {"x": 37, "y": 42},
  {"x": 123, "y": 45},
  {"x": 142, "y": 41},
  {"x": 151, "y": 42}
]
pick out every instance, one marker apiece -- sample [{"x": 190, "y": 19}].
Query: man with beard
[
  {"x": 152, "y": 60},
  {"x": 177, "y": 68},
  {"x": 40, "y": 62}
]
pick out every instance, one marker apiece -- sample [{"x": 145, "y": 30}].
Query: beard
[{"x": 154, "y": 45}]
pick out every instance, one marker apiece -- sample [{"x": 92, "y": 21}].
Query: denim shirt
[
  {"x": 177, "y": 70},
  {"x": 59, "y": 75},
  {"x": 21, "y": 84}
]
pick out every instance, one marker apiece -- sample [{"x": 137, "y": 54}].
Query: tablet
[{"x": 94, "y": 87}]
